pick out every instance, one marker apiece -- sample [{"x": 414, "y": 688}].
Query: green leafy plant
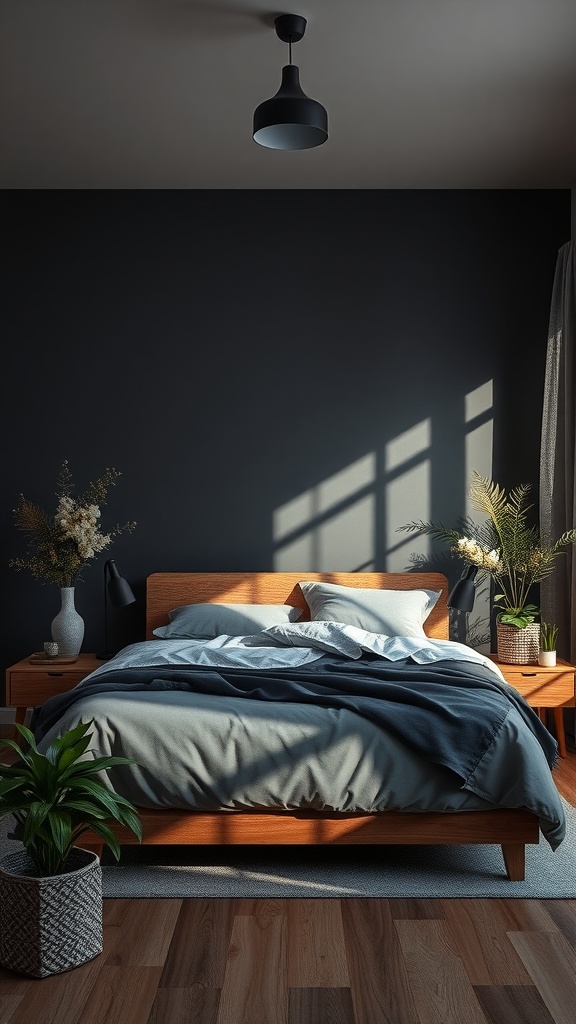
[
  {"x": 55, "y": 797},
  {"x": 60, "y": 543},
  {"x": 504, "y": 547},
  {"x": 548, "y": 636}
]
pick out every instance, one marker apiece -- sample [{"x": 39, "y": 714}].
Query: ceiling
[{"x": 159, "y": 94}]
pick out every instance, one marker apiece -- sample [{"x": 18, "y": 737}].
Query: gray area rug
[{"x": 336, "y": 872}]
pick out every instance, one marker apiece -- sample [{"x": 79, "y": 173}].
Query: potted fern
[
  {"x": 51, "y": 889},
  {"x": 548, "y": 637},
  {"x": 508, "y": 550}
]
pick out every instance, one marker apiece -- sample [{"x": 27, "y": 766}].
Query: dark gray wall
[{"x": 229, "y": 351}]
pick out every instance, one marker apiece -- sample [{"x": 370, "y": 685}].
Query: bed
[{"x": 508, "y": 816}]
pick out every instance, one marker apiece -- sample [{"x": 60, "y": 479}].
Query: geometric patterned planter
[
  {"x": 517, "y": 646},
  {"x": 51, "y": 924}
]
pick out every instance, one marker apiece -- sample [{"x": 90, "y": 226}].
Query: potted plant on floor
[
  {"x": 51, "y": 889},
  {"x": 508, "y": 550},
  {"x": 548, "y": 638}
]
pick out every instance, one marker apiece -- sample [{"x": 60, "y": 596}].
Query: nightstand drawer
[
  {"x": 542, "y": 688},
  {"x": 30, "y": 689}
]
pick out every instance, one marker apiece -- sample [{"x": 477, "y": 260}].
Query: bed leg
[{"x": 514, "y": 859}]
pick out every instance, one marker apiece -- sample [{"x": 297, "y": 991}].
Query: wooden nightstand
[
  {"x": 543, "y": 688},
  {"x": 29, "y": 685}
]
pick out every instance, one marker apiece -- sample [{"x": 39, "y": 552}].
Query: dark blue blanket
[{"x": 449, "y": 712}]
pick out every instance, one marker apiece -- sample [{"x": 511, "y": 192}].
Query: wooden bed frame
[{"x": 512, "y": 829}]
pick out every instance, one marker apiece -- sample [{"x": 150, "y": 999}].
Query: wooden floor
[{"x": 352, "y": 961}]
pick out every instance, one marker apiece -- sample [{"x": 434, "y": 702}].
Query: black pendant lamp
[{"x": 290, "y": 120}]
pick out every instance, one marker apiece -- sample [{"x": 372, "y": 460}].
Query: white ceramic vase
[
  {"x": 547, "y": 659},
  {"x": 68, "y": 625}
]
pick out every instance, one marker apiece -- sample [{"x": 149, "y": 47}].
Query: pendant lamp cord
[{"x": 289, "y": 49}]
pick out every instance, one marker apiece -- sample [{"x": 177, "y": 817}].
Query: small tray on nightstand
[{"x": 42, "y": 659}]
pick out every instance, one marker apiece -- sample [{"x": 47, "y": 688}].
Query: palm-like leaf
[
  {"x": 56, "y": 797},
  {"x": 508, "y": 548},
  {"x": 488, "y": 497},
  {"x": 564, "y": 541}
]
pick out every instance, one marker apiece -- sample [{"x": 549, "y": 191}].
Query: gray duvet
[{"x": 206, "y": 750}]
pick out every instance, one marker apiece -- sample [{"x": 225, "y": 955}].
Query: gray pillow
[
  {"x": 205, "y": 621},
  {"x": 393, "y": 612}
]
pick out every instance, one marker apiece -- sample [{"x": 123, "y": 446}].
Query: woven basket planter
[
  {"x": 517, "y": 646},
  {"x": 51, "y": 924}
]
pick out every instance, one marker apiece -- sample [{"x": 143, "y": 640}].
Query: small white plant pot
[{"x": 547, "y": 659}]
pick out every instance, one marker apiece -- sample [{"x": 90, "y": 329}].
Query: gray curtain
[{"x": 558, "y": 453}]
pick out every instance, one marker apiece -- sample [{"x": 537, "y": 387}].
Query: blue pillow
[{"x": 205, "y": 621}]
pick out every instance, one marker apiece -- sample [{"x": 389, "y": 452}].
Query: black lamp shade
[
  {"x": 119, "y": 593},
  {"x": 464, "y": 593},
  {"x": 119, "y": 590},
  {"x": 290, "y": 120}
]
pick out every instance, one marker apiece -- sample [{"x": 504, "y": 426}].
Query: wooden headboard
[{"x": 167, "y": 590}]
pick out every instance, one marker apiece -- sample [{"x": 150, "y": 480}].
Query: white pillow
[
  {"x": 323, "y": 636},
  {"x": 393, "y": 612},
  {"x": 206, "y": 621}
]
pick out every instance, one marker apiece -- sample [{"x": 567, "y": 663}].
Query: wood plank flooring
[{"x": 403, "y": 961}]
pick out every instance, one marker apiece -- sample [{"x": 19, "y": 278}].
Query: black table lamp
[
  {"x": 119, "y": 592},
  {"x": 463, "y": 594}
]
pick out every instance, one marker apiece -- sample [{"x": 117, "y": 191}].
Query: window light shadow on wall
[
  {"x": 331, "y": 525},
  {"x": 479, "y": 424},
  {"x": 350, "y": 520},
  {"x": 407, "y": 489}
]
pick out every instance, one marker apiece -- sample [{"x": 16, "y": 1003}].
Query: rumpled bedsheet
[{"x": 339, "y": 733}]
